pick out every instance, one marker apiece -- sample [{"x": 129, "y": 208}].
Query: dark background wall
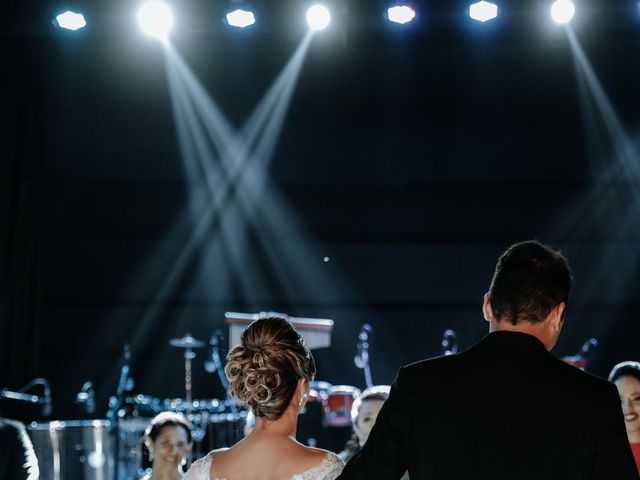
[{"x": 411, "y": 159}]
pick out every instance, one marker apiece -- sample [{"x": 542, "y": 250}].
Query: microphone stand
[
  {"x": 449, "y": 342},
  {"x": 588, "y": 347},
  {"x": 115, "y": 403},
  {"x": 21, "y": 396},
  {"x": 86, "y": 399},
  {"x": 214, "y": 363},
  {"x": 361, "y": 359},
  {"x": 581, "y": 359}
]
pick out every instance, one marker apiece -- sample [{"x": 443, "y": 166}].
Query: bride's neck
[{"x": 283, "y": 426}]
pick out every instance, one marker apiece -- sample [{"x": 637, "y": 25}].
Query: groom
[{"x": 506, "y": 408}]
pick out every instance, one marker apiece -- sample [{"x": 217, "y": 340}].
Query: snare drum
[{"x": 337, "y": 405}]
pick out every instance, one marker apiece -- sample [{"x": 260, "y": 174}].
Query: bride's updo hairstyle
[{"x": 264, "y": 369}]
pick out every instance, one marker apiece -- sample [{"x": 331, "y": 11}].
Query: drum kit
[
  {"x": 214, "y": 423},
  {"x": 114, "y": 448}
]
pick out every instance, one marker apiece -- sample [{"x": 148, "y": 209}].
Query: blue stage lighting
[
  {"x": 483, "y": 11},
  {"x": 71, "y": 21},
  {"x": 241, "y": 18},
  {"x": 318, "y": 17},
  {"x": 562, "y": 11},
  {"x": 156, "y": 19},
  {"x": 401, "y": 14}
]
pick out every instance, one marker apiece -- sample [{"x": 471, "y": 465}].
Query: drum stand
[
  {"x": 188, "y": 343},
  {"x": 188, "y": 356}
]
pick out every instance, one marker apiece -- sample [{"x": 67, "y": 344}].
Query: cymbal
[{"x": 187, "y": 341}]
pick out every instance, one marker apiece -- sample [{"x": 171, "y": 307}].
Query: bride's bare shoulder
[
  {"x": 220, "y": 451},
  {"x": 316, "y": 456},
  {"x": 318, "y": 452},
  {"x": 320, "y": 464}
]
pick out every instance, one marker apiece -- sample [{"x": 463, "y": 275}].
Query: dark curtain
[{"x": 20, "y": 124}]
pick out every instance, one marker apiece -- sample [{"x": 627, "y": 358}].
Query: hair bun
[{"x": 264, "y": 369}]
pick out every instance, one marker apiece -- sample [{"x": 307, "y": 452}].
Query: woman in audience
[
  {"x": 626, "y": 376},
  {"x": 270, "y": 371},
  {"x": 364, "y": 412},
  {"x": 168, "y": 439}
]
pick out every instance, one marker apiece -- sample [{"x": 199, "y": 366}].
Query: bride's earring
[{"x": 303, "y": 397}]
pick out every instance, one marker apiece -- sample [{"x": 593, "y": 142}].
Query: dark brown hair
[
  {"x": 529, "y": 281},
  {"x": 625, "y": 369},
  {"x": 166, "y": 419},
  {"x": 264, "y": 370}
]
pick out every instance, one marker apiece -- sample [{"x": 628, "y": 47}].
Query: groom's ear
[{"x": 487, "y": 312}]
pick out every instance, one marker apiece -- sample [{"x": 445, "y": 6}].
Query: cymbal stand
[
  {"x": 188, "y": 356},
  {"x": 361, "y": 359}
]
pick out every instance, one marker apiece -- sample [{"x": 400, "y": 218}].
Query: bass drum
[
  {"x": 73, "y": 450},
  {"x": 132, "y": 456},
  {"x": 337, "y": 406}
]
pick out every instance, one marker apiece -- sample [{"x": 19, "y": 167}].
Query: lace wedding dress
[{"x": 328, "y": 469}]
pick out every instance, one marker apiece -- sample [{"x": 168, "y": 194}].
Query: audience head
[
  {"x": 626, "y": 377},
  {"x": 168, "y": 438},
  {"x": 268, "y": 366},
  {"x": 529, "y": 281},
  {"x": 365, "y": 409}
]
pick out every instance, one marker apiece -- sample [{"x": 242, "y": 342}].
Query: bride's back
[
  {"x": 270, "y": 372},
  {"x": 266, "y": 458}
]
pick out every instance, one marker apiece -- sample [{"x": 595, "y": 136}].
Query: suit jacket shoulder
[{"x": 505, "y": 408}]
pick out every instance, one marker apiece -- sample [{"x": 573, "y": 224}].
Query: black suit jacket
[{"x": 504, "y": 409}]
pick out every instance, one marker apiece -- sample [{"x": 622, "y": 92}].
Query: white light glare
[
  {"x": 155, "y": 19},
  {"x": 562, "y": 11},
  {"x": 401, "y": 14},
  {"x": 241, "y": 18},
  {"x": 483, "y": 11},
  {"x": 318, "y": 17},
  {"x": 71, "y": 20}
]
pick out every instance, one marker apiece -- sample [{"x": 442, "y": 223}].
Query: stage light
[
  {"x": 318, "y": 17},
  {"x": 483, "y": 11},
  {"x": 562, "y": 11},
  {"x": 401, "y": 14},
  {"x": 241, "y": 18},
  {"x": 71, "y": 21},
  {"x": 155, "y": 19}
]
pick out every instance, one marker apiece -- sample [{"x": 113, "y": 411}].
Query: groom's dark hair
[{"x": 529, "y": 281}]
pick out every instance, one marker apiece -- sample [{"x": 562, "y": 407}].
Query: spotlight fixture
[
  {"x": 318, "y": 17},
  {"x": 401, "y": 14},
  {"x": 562, "y": 11},
  {"x": 240, "y": 18},
  {"x": 483, "y": 11},
  {"x": 155, "y": 19},
  {"x": 70, "y": 20}
]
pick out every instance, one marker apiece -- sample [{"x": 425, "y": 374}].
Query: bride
[{"x": 270, "y": 372}]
